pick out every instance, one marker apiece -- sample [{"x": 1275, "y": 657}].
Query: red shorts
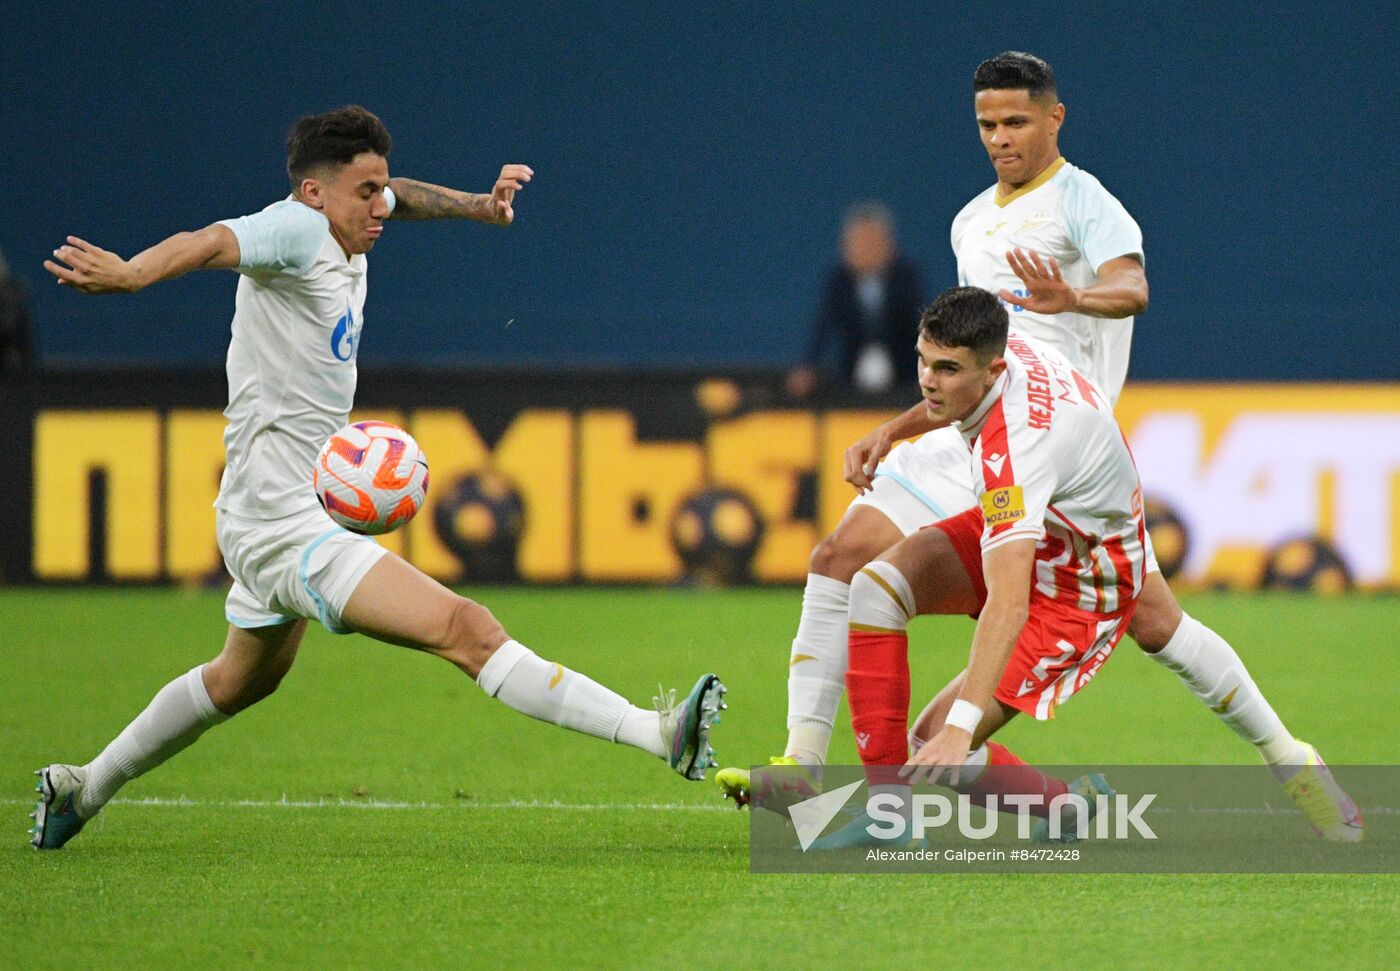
[{"x": 1060, "y": 648}]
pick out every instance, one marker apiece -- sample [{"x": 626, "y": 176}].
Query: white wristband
[{"x": 964, "y": 715}]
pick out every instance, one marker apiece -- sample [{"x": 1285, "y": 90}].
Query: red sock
[
  {"x": 1007, "y": 775},
  {"x": 877, "y": 688}
]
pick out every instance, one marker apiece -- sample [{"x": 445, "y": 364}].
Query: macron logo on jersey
[
  {"x": 343, "y": 338},
  {"x": 995, "y": 462}
]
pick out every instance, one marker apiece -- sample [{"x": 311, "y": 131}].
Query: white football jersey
[
  {"x": 1066, "y": 213},
  {"x": 291, "y": 362},
  {"x": 1050, "y": 464}
]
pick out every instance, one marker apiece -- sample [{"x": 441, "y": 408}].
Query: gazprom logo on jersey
[
  {"x": 1014, "y": 308},
  {"x": 344, "y": 336}
]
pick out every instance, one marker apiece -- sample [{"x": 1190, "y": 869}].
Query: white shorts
[
  {"x": 302, "y": 565},
  {"x": 923, "y": 481},
  {"x": 929, "y": 479}
]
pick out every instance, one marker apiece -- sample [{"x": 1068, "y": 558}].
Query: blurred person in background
[
  {"x": 870, "y": 297},
  {"x": 16, "y": 340}
]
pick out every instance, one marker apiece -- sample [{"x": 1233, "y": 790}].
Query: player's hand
[
  {"x": 1048, "y": 292},
  {"x": 864, "y": 456},
  {"x": 512, "y": 180},
  {"x": 91, "y": 269},
  {"x": 943, "y": 754}
]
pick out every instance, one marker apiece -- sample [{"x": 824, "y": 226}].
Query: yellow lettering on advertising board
[
  {"x": 628, "y": 494},
  {"x": 763, "y": 455},
  {"x": 194, "y": 461},
  {"x": 535, "y": 454},
  {"x": 124, "y": 446}
]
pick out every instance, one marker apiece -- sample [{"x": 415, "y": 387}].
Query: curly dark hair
[
  {"x": 334, "y": 139},
  {"x": 967, "y": 317}
]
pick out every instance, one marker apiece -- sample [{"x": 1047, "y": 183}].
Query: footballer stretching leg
[
  {"x": 400, "y": 605},
  {"x": 395, "y": 603},
  {"x": 1211, "y": 670}
]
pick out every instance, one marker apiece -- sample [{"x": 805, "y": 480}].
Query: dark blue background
[{"x": 693, "y": 165}]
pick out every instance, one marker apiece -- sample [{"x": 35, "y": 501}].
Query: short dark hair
[
  {"x": 334, "y": 138},
  {"x": 967, "y": 317},
  {"x": 1015, "y": 70}
]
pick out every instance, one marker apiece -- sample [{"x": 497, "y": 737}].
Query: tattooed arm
[{"x": 422, "y": 200}]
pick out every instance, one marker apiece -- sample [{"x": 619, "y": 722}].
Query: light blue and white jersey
[
  {"x": 291, "y": 362},
  {"x": 1066, "y": 213}
]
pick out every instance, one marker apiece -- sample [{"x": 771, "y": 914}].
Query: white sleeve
[
  {"x": 285, "y": 236},
  {"x": 1099, "y": 226},
  {"x": 1014, "y": 481}
]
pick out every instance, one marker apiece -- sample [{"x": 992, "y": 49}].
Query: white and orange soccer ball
[{"x": 371, "y": 477}]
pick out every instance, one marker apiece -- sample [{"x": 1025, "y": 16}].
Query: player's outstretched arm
[
  {"x": 423, "y": 200},
  {"x": 863, "y": 456},
  {"x": 1007, "y": 569},
  {"x": 1119, "y": 291},
  {"x": 91, "y": 269}
]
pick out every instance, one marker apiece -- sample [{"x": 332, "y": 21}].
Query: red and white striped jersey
[{"x": 1050, "y": 463}]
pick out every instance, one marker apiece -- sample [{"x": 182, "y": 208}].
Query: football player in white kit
[
  {"x": 1067, "y": 260},
  {"x": 291, "y": 374}
]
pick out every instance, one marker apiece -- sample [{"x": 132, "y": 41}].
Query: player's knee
[
  {"x": 1154, "y": 623},
  {"x": 881, "y": 598},
  {"x": 840, "y": 555},
  {"x": 234, "y": 688},
  {"x": 473, "y": 636}
]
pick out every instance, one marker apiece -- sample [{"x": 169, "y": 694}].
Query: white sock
[
  {"x": 817, "y": 668},
  {"x": 176, "y": 716},
  {"x": 519, "y": 678},
  {"x": 1216, "y": 675}
]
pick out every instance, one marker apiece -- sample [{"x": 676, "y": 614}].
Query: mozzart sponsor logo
[
  {"x": 1004, "y": 505},
  {"x": 897, "y": 817}
]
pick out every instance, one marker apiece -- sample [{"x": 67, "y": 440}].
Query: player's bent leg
[
  {"x": 1158, "y": 615},
  {"x": 396, "y": 603},
  {"x": 251, "y": 665},
  {"x": 923, "y": 573},
  {"x": 996, "y": 778},
  {"x": 873, "y": 522},
  {"x": 248, "y": 669},
  {"x": 863, "y": 533},
  {"x": 936, "y": 573},
  {"x": 1212, "y": 671},
  {"x": 817, "y": 661}
]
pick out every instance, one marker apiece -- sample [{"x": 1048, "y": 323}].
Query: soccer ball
[{"x": 371, "y": 477}]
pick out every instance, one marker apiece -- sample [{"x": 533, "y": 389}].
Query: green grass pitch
[{"x": 282, "y": 838}]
